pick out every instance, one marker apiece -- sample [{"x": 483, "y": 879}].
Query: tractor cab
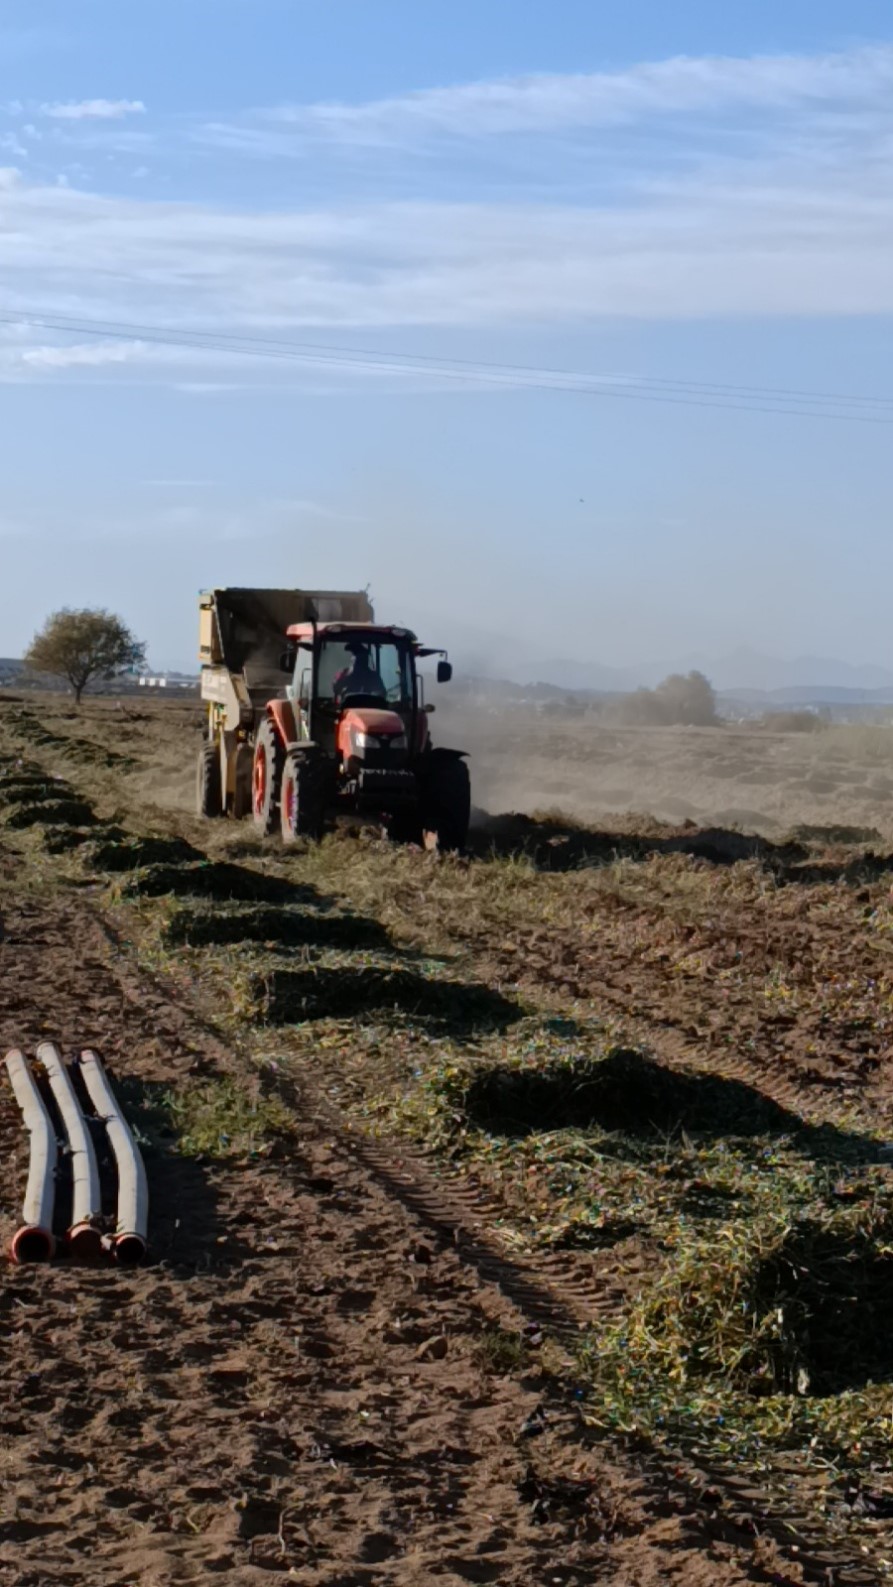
[{"x": 357, "y": 694}]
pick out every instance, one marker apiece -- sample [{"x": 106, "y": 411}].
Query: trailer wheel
[
  {"x": 302, "y": 806},
  {"x": 209, "y": 783},
  {"x": 446, "y": 806},
  {"x": 266, "y": 781}
]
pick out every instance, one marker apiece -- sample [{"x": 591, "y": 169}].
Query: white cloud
[
  {"x": 788, "y": 220},
  {"x": 90, "y": 355},
  {"x": 313, "y": 509},
  {"x": 95, "y": 110},
  {"x": 205, "y": 388},
  {"x": 557, "y": 102},
  {"x": 787, "y": 242}
]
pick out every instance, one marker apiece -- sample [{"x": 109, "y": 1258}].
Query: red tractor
[{"x": 345, "y": 732}]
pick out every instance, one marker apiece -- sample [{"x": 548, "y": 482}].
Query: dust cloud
[{"x": 535, "y": 757}]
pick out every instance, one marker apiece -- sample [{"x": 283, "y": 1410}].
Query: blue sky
[{"x": 513, "y": 286}]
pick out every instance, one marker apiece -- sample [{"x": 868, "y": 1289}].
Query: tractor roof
[{"x": 373, "y": 631}]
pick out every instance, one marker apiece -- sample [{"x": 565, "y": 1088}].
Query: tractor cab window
[{"x": 365, "y": 669}]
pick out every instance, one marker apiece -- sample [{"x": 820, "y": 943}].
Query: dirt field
[
  {"x": 733, "y": 776},
  {"x": 521, "y": 1219}
]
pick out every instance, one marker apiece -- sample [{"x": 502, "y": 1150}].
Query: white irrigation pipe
[
  {"x": 34, "y": 1241},
  {"x": 84, "y": 1236},
  {"x": 133, "y": 1189}
]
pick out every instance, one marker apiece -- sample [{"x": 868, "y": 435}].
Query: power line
[
  {"x": 687, "y": 393},
  {"x": 253, "y": 343}
]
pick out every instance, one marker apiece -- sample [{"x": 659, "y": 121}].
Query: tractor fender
[
  {"x": 445, "y": 754},
  {"x": 282, "y": 714}
]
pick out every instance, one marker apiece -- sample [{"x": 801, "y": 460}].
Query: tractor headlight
[{"x": 378, "y": 741}]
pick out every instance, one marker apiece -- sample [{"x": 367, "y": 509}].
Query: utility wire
[{"x": 748, "y": 399}]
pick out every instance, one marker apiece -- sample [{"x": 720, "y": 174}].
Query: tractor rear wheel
[
  {"x": 302, "y": 806},
  {"x": 266, "y": 780},
  {"x": 446, "y": 807},
  {"x": 209, "y": 783}
]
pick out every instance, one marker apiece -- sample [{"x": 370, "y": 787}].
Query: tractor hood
[{"x": 381, "y": 724}]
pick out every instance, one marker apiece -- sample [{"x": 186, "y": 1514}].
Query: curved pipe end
[
  {"x": 32, "y": 1244},
  {"x": 130, "y": 1249},
  {"x": 85, "y": 1242}
]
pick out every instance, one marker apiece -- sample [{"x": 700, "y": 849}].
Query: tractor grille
[{"x": 388, "y": 787}]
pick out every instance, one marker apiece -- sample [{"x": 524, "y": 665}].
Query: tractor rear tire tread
[{"x": 265, "y": 797}]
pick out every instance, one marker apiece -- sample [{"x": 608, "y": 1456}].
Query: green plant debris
[
  {"x": 62, "y": 840},
  {"x": 129, "y": 853},
  {"x": 764, "y": 1320},
  {"x": 32, "y": 790},
  {"x": 503, "y": 1352},
  {"x": 760, "y": 1335},
  {"x": 273, "y": 927},
  {"x": 210, "y": 879},
  {"x": 222, "y": 1119},
  {"x": 55, "y": 812},
  {"x": 344, "y": 991}
]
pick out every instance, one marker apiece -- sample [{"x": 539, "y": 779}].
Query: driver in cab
[{"x": 360, "y": 677}]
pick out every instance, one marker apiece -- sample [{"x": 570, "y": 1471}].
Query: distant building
[{"x": 167, "y": 680}]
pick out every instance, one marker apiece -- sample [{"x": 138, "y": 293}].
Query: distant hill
[
  {"x": 498, "y": 656},
  {"x": 811, "y": 695},
  {"x": 741, "y": 671}
]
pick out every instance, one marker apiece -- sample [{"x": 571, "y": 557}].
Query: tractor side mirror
[
  {"x": 444, "y": 671},
  {"x": 288, "y": 658}
]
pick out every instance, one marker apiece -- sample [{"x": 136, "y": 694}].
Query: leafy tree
[
  {"x": 689, "y": 700},
  {"x": 681, "y": 700},
  {"x": 82, "y": 645}
]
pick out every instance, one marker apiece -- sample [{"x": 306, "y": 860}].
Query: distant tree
[
  {"x": 642, "y": 708},
  {"x": 689, "y": 700},
  {"x": 80, "y": 646},
  {"x": 684, "y": 701}
]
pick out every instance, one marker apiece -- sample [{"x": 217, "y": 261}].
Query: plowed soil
[
  {"x": 292, "y": 1386},
  {"x": 301, "y": 1382}
]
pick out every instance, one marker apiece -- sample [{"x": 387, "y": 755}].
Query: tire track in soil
[
  {"x": 291, "y": 1388},
  {"x": 562, "y": 1295}
]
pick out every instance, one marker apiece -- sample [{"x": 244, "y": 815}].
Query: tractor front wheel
[
  {"x": 302, "y": 806},
  {"x": 208, "y": 783},
  {"x": 446, "y": 807},
  {"x": 266, "y": 779}
]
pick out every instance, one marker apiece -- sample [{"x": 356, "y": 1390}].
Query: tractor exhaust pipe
[
  {"x": 84, "y": 1236},
  {"x": 34, "y": 1241},
  {"x": 133, "y": 1191}
]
